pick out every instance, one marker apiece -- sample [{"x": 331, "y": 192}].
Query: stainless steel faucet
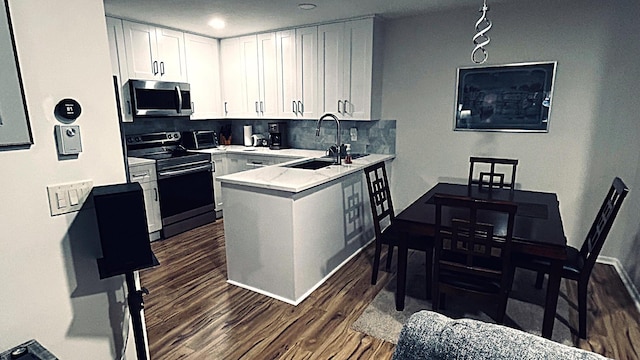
[{"x": 329, "y": 115}]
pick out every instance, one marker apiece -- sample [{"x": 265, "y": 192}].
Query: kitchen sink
[{"x": 311, "y": 164}]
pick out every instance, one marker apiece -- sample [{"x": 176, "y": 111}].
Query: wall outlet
[
  {"x": 354, "y": 134},
  {"x": 66, "y": 198}
]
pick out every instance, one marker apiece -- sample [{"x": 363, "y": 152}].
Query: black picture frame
[
  {"x": 15, "y": 130},
  {"x": 512, "y": 98}
]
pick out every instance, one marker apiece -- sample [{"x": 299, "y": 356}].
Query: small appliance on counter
[
  {"x": 278, "y": 136},
  {"x": 203, "y": 139},
  {"x": 258, "y": 140}
]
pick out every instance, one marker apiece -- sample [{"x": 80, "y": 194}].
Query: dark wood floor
[{"x": 192, "y": 313}]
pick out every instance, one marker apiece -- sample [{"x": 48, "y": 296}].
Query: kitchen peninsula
[{"x": 288, "y": 229}]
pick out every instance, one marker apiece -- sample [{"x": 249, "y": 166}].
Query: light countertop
[
  {"x": 133, "y": 161},
  {"x": 280, "y": 177},
  {"x": 286, "y": 153}
]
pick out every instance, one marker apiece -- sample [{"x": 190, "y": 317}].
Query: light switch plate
[
  {"x": 66, "y": 198},
  {"x": 354, "y": 134}
]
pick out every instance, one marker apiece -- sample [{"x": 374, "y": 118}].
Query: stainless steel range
[{"x": 185, "y": 180}]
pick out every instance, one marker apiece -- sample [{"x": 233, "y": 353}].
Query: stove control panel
[{"x": 154, "y": 138}]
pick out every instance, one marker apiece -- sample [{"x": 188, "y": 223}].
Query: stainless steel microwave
[{"x": 160, "y": 98}]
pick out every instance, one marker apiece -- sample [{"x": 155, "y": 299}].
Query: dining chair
[
  {"x": 579, "y": 263},
  {"x": 386, "y": 231},
  {"x": 487, "y": 175},
  {"x": 472, "y": 251}
]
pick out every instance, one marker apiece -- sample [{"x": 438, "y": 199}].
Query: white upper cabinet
[
  {"x": 349, "y": 69},
  {"x": 249, "y": 76},
  {"x": 267, "y": 76},
  {"x": 118, "y": 65},
  {"x": 203, "y": 73},
  {"x": 154, "y": 53},
  {"x": 297, "y": 72}
]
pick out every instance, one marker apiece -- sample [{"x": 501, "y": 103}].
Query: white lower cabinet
[{"x": 145, "y": 175}]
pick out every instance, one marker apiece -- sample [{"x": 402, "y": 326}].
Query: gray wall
[{"x": 593, "y": 125}]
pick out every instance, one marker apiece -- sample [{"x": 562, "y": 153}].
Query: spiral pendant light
[{"x": 479, "y": 55}]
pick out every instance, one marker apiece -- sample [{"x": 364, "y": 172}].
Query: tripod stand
[{"x": 136, "y": 309}]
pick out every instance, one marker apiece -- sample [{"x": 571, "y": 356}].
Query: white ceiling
[{"x": 252, "y": 16}]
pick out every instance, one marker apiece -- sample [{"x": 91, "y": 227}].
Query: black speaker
[{"x": 122, "y": 225}]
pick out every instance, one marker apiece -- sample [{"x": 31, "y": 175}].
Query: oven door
[{"x": 185, "y": 192}]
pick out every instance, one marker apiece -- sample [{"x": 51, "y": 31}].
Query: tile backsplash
[{"x": 378, "y": 137}]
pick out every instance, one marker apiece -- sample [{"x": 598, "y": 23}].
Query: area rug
[{"x": 525, "y": 308}]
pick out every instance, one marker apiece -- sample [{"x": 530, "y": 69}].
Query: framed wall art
[
  {"x": 515, "y": 97},
  {"x": 14, "y": 120}
]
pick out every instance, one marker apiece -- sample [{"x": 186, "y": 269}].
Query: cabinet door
[
  {"x": 117, "y": 51},
  {"x": 249, "y": 76},
  {"x": 141, "y": 49},
  {"x": 145, "y": 175},
  {"x": 267, "y": 75},
  {"x": 286, "y": 71},
  {"x": 358, "y": 69},
  {"x": 331, "y": 68},
  {"x": 171, "y": 58},
  {"x": 232, "y": 78},
  {"x": 202, "y": 59},
  {"x": 307, "y": 71},
  {"x": 152, "y": 205}
]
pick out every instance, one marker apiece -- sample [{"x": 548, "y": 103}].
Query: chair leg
[
  {"x": 502, "y": 308},
  {"x": 429, "y": 271},
  {"x": 435, "y": 297},
  {"x": 389, "y": 256},
  {"x": 539, "y": 280},
  {"x": 582, "y": 308},
  {"x": 376, "y": 263}
]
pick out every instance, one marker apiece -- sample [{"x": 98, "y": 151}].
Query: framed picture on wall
[
  {"x": 514, "y": 97},
  {"x": 14, "y": 120}
]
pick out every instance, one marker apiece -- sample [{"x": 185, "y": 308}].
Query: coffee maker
[{"x": 278, "y": 136}]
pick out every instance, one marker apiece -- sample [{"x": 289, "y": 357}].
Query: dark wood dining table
[{"x": 538, "y": 231}]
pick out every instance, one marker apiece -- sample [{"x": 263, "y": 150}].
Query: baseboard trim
[{"x": 624, "y": 276}]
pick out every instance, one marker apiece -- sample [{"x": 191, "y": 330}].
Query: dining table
[{"x": 538, "y": 231}]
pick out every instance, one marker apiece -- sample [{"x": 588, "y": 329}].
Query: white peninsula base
[{"x": 286, "y": 244}]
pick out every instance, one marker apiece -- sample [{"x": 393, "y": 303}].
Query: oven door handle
[{"x": 171, "y": 173}]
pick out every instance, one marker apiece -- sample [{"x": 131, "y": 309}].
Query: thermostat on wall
[
  {"x": 68, "y": 139},
  {"x": 68, "y": 109}
]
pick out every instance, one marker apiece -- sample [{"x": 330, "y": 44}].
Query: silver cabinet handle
[
  {"x": 301, "y": 107},
  {"x": 154, "y": 67},
  {"x": 339, "y": 103},
  {"x": 262, "y": 107},
  {"x": 346, "y": 108},
  {"x": 294, "y": 107},
  {"x": 155, "y": 190},
  {"x": 225, "y": 108},
  {"x": 257, "y": 111},
  {"x": 161, "y": 68},
  {"x": 193, "y": 106}
]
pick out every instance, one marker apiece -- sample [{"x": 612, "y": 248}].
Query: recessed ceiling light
[
  {"x": 216, "y": 23},
  {"x": 307, "y": 6}
]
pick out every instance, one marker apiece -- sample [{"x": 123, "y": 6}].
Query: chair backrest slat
[
  {"x": 603, "y": 222},
  {"x": 492, "y": 179},
  {"x": 379, "y": 195},
  {"x": 467, "y": 244}
]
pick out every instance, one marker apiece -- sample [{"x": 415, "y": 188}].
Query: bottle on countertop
[{"x": 347, "y": 158}]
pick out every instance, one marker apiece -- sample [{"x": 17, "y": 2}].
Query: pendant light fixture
[{"x": 479, "y": 55}]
